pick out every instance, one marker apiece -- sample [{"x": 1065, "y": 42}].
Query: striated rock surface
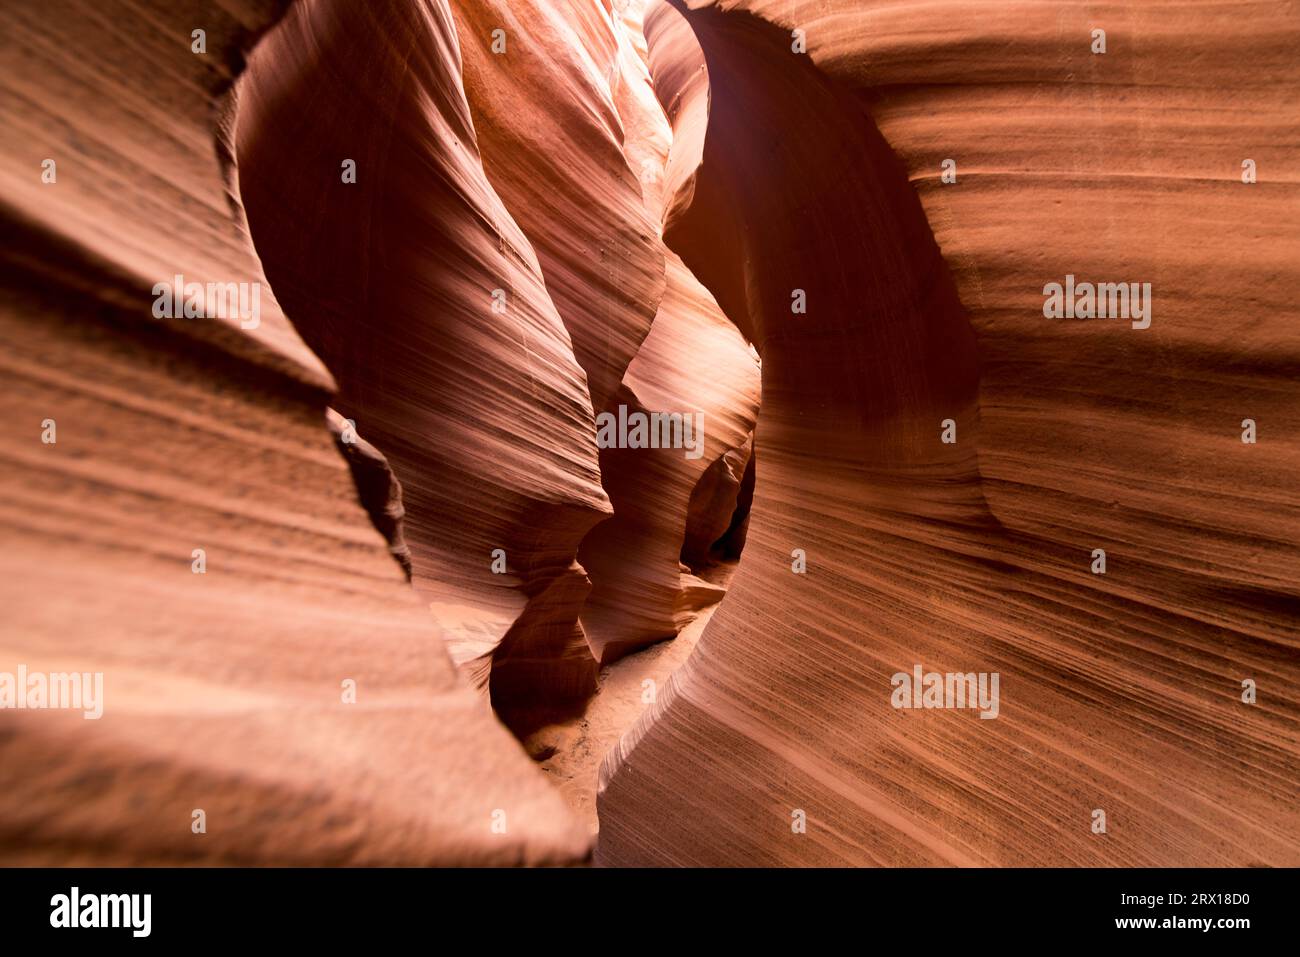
[
  {"x": 300, "y": 542},
  {"x": 1121, "y": 692},
  {"x": 146, "y": 450},
  {"x": 583, "y": 179},
  {"x": 421, "y": 293},
  {"x": 546, "y": 85},
  {"x": 693, "y": 366}
]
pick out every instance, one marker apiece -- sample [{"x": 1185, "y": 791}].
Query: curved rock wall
[
  {"x": 497, "y": 228},
  {"x": 1121, "y": 690},
  {"x": 421, "y": 293},
  {"x": 176, "y": 518},
  {"x": 563, "y": 173}
]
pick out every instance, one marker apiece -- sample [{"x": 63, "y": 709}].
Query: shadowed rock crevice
[
  {"x": 799, "y": 200},
  {"x": 715, "y": 537},
  {"x": 378, "y": 490}
]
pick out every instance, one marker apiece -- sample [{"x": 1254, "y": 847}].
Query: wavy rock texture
[
  {"x": 482, "y": 242},
  {"x": 693, "y": 363},
  {"x": 583, "y": 179},
  {"x": 424, "y": 297},
  {"x": 222, "y": 690},
  {"x": 562, "y": 173},
  {"x": 1119, "y": 692}
]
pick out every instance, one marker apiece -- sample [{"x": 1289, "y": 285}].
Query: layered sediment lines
[
  {"x": 1121, "y": 692},
  {"x": 562, "y": 171},
  {"x": 416, "y": 286},
  {"x": 695, "y": 367},
  {"x": 694, "y": 371},
  {"x": 273, "y": 692},
  {"x": 490, "y": 223}
]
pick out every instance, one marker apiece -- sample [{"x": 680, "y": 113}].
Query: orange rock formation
[
  {"x": 1122, "y": 692},
  {"x": 329, "y": 327}
]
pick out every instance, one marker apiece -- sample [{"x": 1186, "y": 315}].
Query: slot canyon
[{"x": 641, "y": 433}]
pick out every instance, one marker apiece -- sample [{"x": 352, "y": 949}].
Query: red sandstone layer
[
  {"x": 493, "y": 228},
  {"x": 293, "y": 703},
  {"x": 1122, "y": 692}
]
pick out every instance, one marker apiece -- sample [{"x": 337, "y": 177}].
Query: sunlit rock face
[
  {"x": 416, "y": 286},
  {"x": 481, "y": 293},
  {"x": 695, "y": 382},
  {"x": 942, "y": 465},
  {"x": 273, "y": 692},
  {"x": 545, "y": 82}
]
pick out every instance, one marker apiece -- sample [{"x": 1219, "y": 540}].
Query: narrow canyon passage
[
  {"x": 640, "y": 432},
  {"x": 396, "y": 280},
  {"x": 559, "y": 283}
]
